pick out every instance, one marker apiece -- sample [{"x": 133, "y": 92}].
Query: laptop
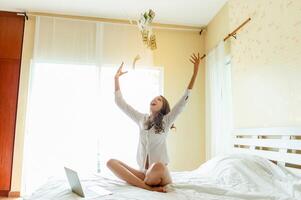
[{"x": 87, "y": 192}]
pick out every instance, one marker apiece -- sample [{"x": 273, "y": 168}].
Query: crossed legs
[{"x": 156, "y": 176}]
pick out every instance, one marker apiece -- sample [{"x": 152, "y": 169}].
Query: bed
[{"x": 265, "y": 165}]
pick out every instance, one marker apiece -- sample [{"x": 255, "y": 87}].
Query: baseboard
[{"x": 14, "y": 194}]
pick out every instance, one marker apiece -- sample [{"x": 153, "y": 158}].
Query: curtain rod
[
  {"x": 117, "y": 21},
  {"x": 23, "y": 14},
  {"x": 233, "y": 33}
]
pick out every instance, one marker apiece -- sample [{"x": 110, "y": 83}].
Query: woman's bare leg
[
  {"x": 137, "y": 173},
  {"x": 157, "y": 174},
  {"x": 130, "y": 175}
]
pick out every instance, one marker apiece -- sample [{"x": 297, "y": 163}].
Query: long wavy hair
[{"x": 157, "y": 122}]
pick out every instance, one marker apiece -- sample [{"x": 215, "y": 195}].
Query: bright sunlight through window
[{"x": 73, "y": 120}]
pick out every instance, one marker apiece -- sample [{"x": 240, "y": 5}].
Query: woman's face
[{"x": 156, "y": 104}]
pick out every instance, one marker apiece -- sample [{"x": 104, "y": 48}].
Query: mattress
[{"x": 231, "y": 177}]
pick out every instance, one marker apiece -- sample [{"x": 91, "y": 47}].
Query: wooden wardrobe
[{"x": 11, "y": 39}]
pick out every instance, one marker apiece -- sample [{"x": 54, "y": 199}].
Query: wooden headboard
[{"x": 280, "y": 145}]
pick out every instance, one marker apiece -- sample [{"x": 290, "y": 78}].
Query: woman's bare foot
[
  {"x": 155, "y": 188},
  {"x": 159, "y": 189}
]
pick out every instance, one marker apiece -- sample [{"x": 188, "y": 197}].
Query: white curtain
[
  {"x": 60, "y": 41},
  {"x": 72, "y": 119},
  {"x": 218, "y": 102},
  {"x": 123, "y": 42}
]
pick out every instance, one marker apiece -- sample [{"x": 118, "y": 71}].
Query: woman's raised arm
[
  {"x": 126, "y": 108},
  {"x": 196, "y": 62},
  {"x": 177, "y": 109},
  {"x": 117, "y": 75}
]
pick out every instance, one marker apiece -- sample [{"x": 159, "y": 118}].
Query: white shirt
[{"x": 151, "y": 143}]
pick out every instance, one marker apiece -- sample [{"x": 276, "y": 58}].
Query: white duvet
[{"x": 232, "y": 177}]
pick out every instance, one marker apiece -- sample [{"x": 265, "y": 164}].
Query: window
[{"x": 73, "y": 120}]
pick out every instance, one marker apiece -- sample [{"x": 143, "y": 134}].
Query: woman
[{"x": 152, "y": 154}]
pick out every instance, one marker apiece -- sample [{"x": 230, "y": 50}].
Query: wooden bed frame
[{"x": 280, "y": 145}]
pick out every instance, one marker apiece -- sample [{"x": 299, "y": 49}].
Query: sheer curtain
[
  {"x": 72, "y": 119},
  {"x": 218, "y": 102}
]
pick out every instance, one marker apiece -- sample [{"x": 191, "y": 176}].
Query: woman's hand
[
  {"x": 120, "y": 72},
  {"x": 117, "y": 75},
  {"x": 196, "y": 62}
]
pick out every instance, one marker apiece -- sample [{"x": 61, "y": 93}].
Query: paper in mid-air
[{"x": 144, "y": 25}]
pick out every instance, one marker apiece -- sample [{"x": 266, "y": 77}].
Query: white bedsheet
[{"x": 230, "y": 177}]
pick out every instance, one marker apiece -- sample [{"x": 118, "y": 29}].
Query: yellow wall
[
  {"x": 218, "y": 28},
  {"x": 266, "y": 62},
  {"x": 186, "y": 145}
]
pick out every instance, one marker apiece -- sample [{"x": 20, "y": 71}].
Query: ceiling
[{"x": 180, "y": 12}]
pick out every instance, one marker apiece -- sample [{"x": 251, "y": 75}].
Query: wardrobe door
[
  {"x": 9, "y": 79},
  {"x": 11, "y": 37}
]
